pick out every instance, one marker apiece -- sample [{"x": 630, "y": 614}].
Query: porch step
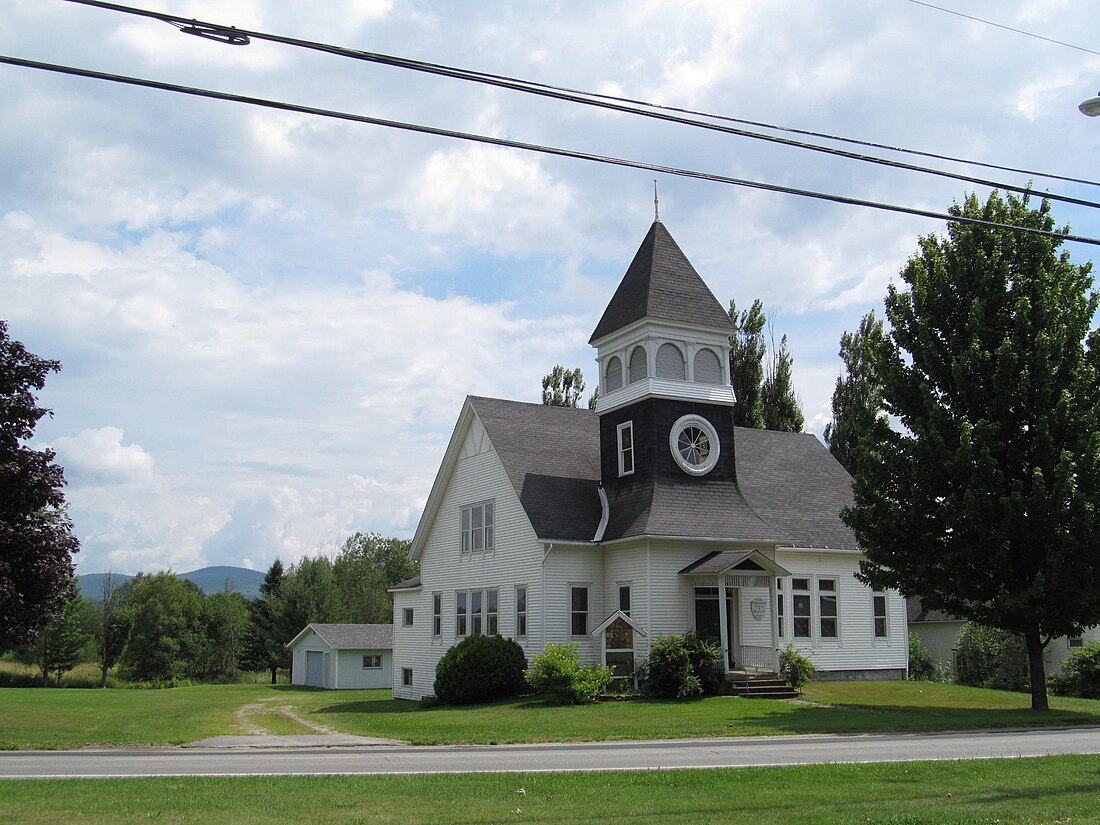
[{"x": 759, "y": 687}]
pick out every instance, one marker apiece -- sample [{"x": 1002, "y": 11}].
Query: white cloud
[{"x": 99, "y": 458}]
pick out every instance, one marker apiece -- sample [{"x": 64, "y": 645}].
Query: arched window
[
  {"x": 637, "y": 364},
  {"x": 708, "y": 367},
  {"x": 614, "y": 377},
  {"x": 670, "y": 362}
]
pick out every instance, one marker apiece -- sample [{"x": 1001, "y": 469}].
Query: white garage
[{"x": 343, "y": 656}]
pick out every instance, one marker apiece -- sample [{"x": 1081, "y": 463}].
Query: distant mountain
[{"x": 210, "y": 579}]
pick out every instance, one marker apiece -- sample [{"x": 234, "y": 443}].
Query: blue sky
[{"x": 268, "y": 322}]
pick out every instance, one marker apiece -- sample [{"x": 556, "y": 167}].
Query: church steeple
[{"x": 663, "y": 334}]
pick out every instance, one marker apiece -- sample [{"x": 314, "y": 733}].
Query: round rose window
[{"x": 694, "y": 445}]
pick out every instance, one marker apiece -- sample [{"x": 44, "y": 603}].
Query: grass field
[
  {"x": 36, "y": 718},
  {"x": 1047, "y": 790}
]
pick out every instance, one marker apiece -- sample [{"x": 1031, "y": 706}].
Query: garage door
[{"x": 315, "y": 668}]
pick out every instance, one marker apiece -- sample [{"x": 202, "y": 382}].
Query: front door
[
  {"x": 315, "y": 663},
  {"x": 708, "y": 619}
]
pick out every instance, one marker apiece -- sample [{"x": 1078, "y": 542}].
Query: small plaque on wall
[{"x": 759, "y": 607}]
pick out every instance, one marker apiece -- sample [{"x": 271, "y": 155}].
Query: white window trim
[
  {"x": 482, "y": 613},
  {"x": 487, "y": 530},
  {"x": 462, "y": 631},
  {"x": 526, "y": 612},
  {"x": 587, "y": 587},
  {"x": 376, "y": 656},
  {"x": 816, "y": 608},
  {"x": 876, "y": 593},
  {"x": 407, "y": 617},
  {"x": 624, "y": 427},
  {"x": 808, "y": 591},
  {"x": 437, "y": 615},
  {"x": 701, "y": 423},
  {"x": 782, "y": 605},
  {"x": 629, "y": 587},
  {"x": 406, "y": 677}
]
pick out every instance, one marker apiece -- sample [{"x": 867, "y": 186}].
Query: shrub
[
  {"x": 1080, "y": 676},
  {"x": 922, "y": 666},
  {"x": 557, "y": 672},
  {"x": 681, "y": 666},
  {"x": 796, "y": 669},
  {"x": 992, "y": 658},
  {"x": 480, "y": 668}
]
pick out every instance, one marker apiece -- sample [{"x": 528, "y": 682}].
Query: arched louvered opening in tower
[
  {"x": 670, "y": 362},
  {"x": 638, "y": 368},
  {"x": 613, "y": 377},
  {"x": 708, "y": 367}
]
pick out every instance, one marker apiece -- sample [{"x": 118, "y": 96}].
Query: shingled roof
[
  {"x": 355, "y": 636},
  {"x": 663, "y": 285},
  {"x": 790, "y": 489}
]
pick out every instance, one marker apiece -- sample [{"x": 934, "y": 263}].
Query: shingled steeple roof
[{"x": 663, "y": 285}]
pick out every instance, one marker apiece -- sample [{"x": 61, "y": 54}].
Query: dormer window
[
  {"x": 638, "y": 366},
  {"x": 613, "y": 379},
  {"x": 670, "y": 362},
  {"x": 626, "y": 448}
]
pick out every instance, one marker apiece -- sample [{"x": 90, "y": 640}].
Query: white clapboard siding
[
  {"x": 515, "y": 559},
  {"x": 567, "y": 566},
  {"x": 855, "y": 648},
  {"x": 628, "y": 565}
]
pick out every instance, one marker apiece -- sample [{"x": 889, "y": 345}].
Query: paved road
[{"x": 746, "y": 752}]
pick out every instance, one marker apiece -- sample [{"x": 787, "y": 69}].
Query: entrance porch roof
[{"x": 721, "y": 562}]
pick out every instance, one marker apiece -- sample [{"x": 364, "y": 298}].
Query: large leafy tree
[
  {"x": 167, "y": 636},
  {"x": 778, "y": 402},
  {"x": 747, "y": 348},
  {"x": 857, "y": 397},
  {"x": 111, "y": 624},
  {"x": 562, "y": 387},
  {"x": 367, "y": 565},
  {"x": 36, "y": 539},
  {"x": 986, "y": 501}
]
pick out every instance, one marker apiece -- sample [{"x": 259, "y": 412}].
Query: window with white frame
[
  {"x": 437, "y": 614},
  {"x": 878, "y": 610},
  {"x": 460, "y": 613},
  {"x": 624, "y": 598},
  {"x": 372, "y": 661},
  {"x": 521, "y": 612},
  {"x": 578, "y": 610},
  {"x": 407, "y": 617},
  {"x": 1076, "y": 641},
  {"x": 407, "y": 676},
  {"x": 477, "y": 528},
  {"x": 626, "y": 448},
  {"x": 800, "y": 608},
  {"x": 827, "y": 609},
  {"x": 492, "y": 610},
  {"x": 779, "y": 612},
  {"x": 475, "y": 612}
]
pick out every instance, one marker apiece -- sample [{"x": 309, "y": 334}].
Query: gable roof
[
  {"x": 351, "y": 636},
  {"x": 661, "y": 284},
  {"x": 552, "y": 457}
]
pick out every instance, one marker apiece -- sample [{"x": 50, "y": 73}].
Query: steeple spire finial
[{"x": 656, "y": 204}]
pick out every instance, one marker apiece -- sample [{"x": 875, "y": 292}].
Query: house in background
[
  {"x": 342, "y": 656},
  {"x": 653, "y": 514}
]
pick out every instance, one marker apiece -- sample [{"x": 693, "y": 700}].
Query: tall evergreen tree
[
  {"x": 857, "y": 397},
  {"x": 747, "y": 347},
  {"x": 562, "y": 387},
  {"x": 779, "y": 405},
  {"x": 36, "y": 538},
  {"x": 268, "y": 629},
  {"x": 986, "y": 502}
]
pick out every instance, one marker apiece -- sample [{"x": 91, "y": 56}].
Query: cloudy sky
[{"x": 268, "y": 321}]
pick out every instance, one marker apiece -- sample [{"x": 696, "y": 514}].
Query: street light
[{"x": 1091, "y": 107}]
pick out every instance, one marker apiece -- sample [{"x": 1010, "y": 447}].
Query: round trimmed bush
[{"x": 480, "y": 668}]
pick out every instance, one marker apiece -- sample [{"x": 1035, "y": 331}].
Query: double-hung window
[
  {"x": 626, "y": 448},
  {"x": 624, "y": 598},
  {"x": 521, "y": 612},
  {"x": 371, "y": 661},
  {"x": 779, "y": 614},
  {"x": 475, "y": 612},
  {"x": 578, "y": 610},
  {"x": 437, "y": 614},
  {"x": 827, "y": 612},
  {"x": 492, "y": 611},
  {"x": 460, "y": 613},
  {"x": 800, "y": 607},
  {"x": 878, "y": 610},
  {"x": 407, "y": 617},
  {"x": 477, "y": 528}
]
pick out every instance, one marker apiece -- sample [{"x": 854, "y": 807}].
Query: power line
[
  {"x": 1006, "y": 28},
  {"x": 532, "y": 147},
  {"x": 610, "y": 102}
]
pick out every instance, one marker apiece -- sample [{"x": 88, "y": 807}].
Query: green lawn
[
  {"x": 38, "y": 718},
  {"x": 1047, "y": 790}
]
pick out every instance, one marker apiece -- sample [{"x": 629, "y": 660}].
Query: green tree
[
  {"x": 59, "y": 645},
  {"x": 309, "y": 594},
  {"x": 562, "y": 387},
  {"x": 225, "y": 624},
  {"x": 778, "y": 402},
  {"x": 986, "y": 503},
  {"x": 111, "y": 625},
  {"x": 857, "y": 397},
  {"x": 268, "y": 631},
  {"x": 367, "y": 565},
  {"x": 36, "y": 539},
  {"x": 747, "y": 347},
  {"x": 167, "y": 633}
]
